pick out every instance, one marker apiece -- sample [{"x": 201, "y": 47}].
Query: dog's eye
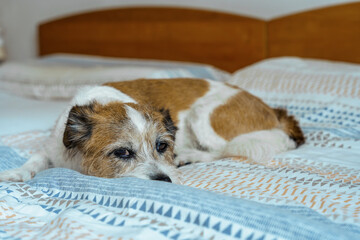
[
  {"x": 123, "y": 153},
  {"x": 161, "y": 147}
]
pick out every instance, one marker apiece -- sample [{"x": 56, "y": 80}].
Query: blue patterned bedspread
[{"x": 63, "y": 204}]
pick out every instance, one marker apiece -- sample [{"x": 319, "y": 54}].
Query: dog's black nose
[{"x": 161, "y": 177}]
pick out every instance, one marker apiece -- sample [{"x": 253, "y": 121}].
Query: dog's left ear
[
  {"x": 78, "y": 127},
  {"x": 168, "y": 122}
]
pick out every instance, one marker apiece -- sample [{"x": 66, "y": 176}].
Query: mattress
[{"x": 312, "y": 192}]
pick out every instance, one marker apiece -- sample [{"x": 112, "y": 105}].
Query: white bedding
[{"x": 21, "y": 114}]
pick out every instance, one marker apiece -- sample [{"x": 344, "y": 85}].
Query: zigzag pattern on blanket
[{"x": 64, "y": 206}]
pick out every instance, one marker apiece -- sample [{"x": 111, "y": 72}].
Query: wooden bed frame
[{"x": 224, "y": 40}]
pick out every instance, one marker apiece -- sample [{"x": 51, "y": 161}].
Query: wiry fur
[
  {"x": 290, "y": 126},
  {"x": 211, "y": 120}
]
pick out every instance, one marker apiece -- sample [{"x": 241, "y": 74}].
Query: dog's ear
[
  {"x": 168, "y": 122},
  {"x": 79, "y": 126}
]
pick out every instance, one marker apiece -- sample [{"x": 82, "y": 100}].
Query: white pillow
[
  {"x": 60, "y": 76},
  {"x": 61, "y": 82},
  {"x": 298, "y": 76},
  {"x": 195, "y": 72}
]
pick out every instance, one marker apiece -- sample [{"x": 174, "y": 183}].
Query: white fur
[
  {"x": 259, "y": 146},
  {"x": 35, "y": 164},
  {"x": 153, "y": 167},
  {"x": 191, "y": 155},
  {"x": 136, "y": 118},
  {"x": 100, "y": 94}
]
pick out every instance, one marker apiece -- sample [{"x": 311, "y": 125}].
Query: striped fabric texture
[{"x": 301, "y": 76}]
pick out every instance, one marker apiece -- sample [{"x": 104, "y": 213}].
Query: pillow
[
  {"x": 60, "y": 76},
  {"x": 192, "y": 72},
  {"x": 61, "y": 82},
  {"x": 290, "y": 75}
]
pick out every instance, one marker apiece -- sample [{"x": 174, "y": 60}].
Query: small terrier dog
[{"x": 128, "y": 129}]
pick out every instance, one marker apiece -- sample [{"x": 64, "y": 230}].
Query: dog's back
[{"x": 216, "y": 120}]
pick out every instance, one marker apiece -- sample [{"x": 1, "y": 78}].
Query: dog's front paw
[
  {"x": 16, "y": 175},
  {"x": 181, "y": 164},
  {"x": 179, "y": 161}
]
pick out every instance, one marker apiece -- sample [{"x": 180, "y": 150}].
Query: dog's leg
[
  {"x": 35, "y": 164},
  {"x": 259, "y": 146},
  {"x": 187, "y": 156}
]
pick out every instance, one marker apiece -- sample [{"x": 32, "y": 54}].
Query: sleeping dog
[{"x": 128, "y": 129}]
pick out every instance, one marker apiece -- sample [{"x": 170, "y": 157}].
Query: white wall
[{"x": 19, "y": 18}]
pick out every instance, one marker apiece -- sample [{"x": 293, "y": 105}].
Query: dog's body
[{"x": 128, "y": 129}]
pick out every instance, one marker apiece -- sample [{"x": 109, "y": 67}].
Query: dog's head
[{"x": 122, "y": 139}]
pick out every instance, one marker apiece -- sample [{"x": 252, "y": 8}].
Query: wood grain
[
  {"x": 330, "y": 33},
  {"x": 224, "y": 40}
]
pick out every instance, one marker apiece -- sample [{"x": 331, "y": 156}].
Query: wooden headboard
[
  {"x": 330, "y": 33},
  {"x": 224, "y": 40},
  {"x": 159, "y": 33}
]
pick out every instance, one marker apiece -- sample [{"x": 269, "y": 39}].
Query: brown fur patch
[
  {"x": 290, "y": 126},
  {"x": 172, "y": 94},
  {"x": 242, "y": 113}
]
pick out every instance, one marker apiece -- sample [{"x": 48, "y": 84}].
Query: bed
[{"x": 312, "y": 192}]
